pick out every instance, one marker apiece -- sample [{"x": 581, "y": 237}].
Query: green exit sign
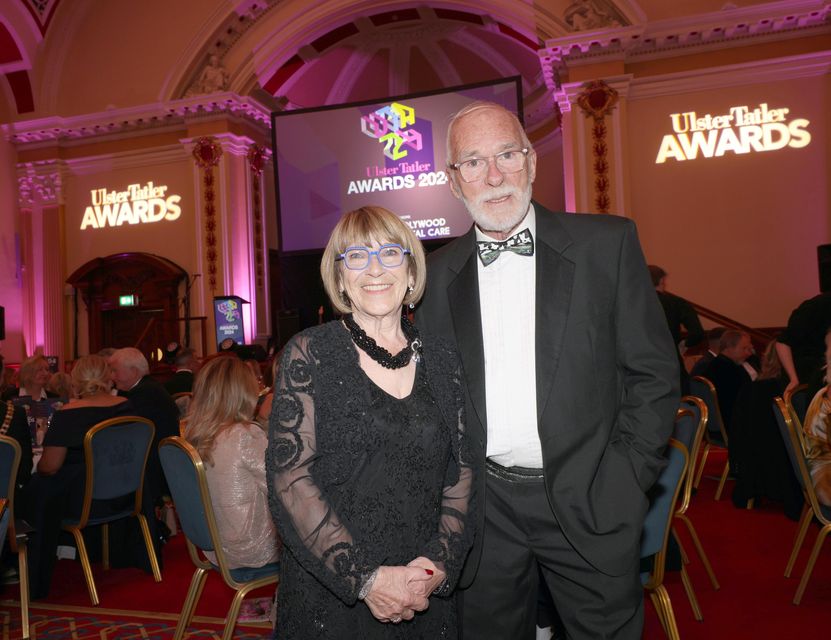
[{"x": 127, "y": 301}]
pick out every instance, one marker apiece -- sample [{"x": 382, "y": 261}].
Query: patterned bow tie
[{"x": 521, "y": 243}]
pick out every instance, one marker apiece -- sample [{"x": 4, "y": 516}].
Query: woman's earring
[{"x": 409, "y": 293}]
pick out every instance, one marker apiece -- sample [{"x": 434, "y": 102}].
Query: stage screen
[{"x": 387, "y": 152}]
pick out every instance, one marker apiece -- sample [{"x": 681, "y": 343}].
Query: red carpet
[{"x": 748, "y": 550}]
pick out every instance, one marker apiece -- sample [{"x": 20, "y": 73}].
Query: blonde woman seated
[
  {"x": 220, "y": 425},
  {"x": 818, "y": 444}
]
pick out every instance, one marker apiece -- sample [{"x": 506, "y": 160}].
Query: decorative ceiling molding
[
  {"x": 756, "y": 24},
  {"x": 779, "y": 70},
  {"x": 137, "y": 120},
  {"x": 40, "y": 183},
  {"x": 107, "y": 162},
  {"x": 42, "y": 11}
]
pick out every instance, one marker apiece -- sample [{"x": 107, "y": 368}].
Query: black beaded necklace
[{"x": 412, "y": 349}]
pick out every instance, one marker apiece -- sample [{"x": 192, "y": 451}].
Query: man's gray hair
[
  {"x": 131, "y": 357},
  {"x": 476, "y": 106}
]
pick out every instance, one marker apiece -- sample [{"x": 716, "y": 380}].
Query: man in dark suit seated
[
  {"x": 726, "y": 371},
  {"x": 131, "y": 376},
  {"x": 713, "y": 339},
  {"x": 186, "y": 365}
]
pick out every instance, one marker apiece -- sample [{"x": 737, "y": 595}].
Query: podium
[{"x": 228, "y": 317}]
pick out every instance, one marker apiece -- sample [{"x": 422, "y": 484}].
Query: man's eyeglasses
[
  {"x": 389, "y": 256},
  {"x": 473, "y": 169}
]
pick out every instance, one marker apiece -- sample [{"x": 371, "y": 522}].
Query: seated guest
[
  {"x": 817, "y": 431},
  {"x": 759, "y": 458},
  {"x": 185, "y": 364},
  {"x": 713, "y": 339},
  {"x": 726, "y": 371},
  {"x": 220, "y": 425},
  {"x": 60, "y": 384},
  {"x": 34, "y": 375},
  {"x": 13, "y": 424},
  {"x": 56, "y": 491},
  {"x": 131, "y": 376}
]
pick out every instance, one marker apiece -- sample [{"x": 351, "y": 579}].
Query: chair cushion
[{"x": 247, "y": 574}]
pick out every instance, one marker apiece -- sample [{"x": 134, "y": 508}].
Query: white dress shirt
[{"x": 507, "y": 304}]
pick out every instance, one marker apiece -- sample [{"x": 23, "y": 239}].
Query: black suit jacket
[
  {"x": 154, "y": 403},
  {"x": 179, "y": 382},
  {"x": 606, "y": 369}
]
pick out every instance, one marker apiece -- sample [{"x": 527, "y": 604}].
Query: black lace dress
[{"x": 358, "y": 479}]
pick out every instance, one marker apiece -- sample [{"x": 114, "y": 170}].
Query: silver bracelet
[{"x": 366, "y": 587}]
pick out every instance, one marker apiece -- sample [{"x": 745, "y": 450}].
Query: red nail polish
[{"x": 429, "y": 572}]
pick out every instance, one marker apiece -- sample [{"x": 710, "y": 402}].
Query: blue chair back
[
  {"x": 185, "y": 474},
  {"x": 783, "y": 420},
  {"x": 702, "y": 388},
  {"x": 662, "y": 497},
  {"x": 118, "y": 449},
  {"x": 9, "y": 461},
  {"x": 685, "y": 426}
]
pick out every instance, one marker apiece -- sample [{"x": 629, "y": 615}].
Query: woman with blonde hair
[
  {"x": 34, "y": 376},
  {"x": 220, "y": 425},
  {"x": 56, "y": 490}
]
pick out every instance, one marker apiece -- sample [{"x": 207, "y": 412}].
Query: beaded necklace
[{"x": 412, "y": 350}]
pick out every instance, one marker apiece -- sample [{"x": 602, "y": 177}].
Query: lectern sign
[
  {"x": 138, "y": 204},
  {"x": 742, "y": 129}
]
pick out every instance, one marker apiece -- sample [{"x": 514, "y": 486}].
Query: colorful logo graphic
[
  {"x": 230, "y": 308},
  {"x": 392, "y": 126}
]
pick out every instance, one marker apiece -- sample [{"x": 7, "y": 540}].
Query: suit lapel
[
  {"x": 554, "y": 281},
  {"x": 463, "y": 299}
]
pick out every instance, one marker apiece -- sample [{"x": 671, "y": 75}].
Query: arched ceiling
[{"x": 293, "y": 53}]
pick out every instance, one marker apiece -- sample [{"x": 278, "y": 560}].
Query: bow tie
[{"x": 521, "y": 243}]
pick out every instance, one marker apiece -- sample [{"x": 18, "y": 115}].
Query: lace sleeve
[
  {"x": 449, "y": 547},
  {"x": 308, "y": 525}
]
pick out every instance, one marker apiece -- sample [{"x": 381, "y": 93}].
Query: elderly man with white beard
[{"x": 571, "y": 386}]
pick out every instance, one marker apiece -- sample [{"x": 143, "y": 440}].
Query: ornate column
[
  {"x": 40, "y": 199},
  {"x": 258, "y": 159},
  {"x": 595, "y": 144}
]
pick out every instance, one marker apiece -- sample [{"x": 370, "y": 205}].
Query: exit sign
[{"x": 127, "y": 301}]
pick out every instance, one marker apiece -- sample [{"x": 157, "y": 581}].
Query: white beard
[{"x": 502, "y": 223}]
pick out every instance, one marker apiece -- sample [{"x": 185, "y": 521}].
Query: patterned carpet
[{"x": 61, "y": 622}]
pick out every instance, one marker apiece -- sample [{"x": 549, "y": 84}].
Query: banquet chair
[
  {"x": 656, "y": 528},
  {"x": 715, "y": 435},
  {"x": 185, "y": 473},
  {"x": 690, "y": 424},
  {"x": 797, "y": 400},
  {"x": 115, "y": 452},
  {"x": 795, "y": 446},
  {"x": 17, "y": 529},
  {"x": 182, "y": 400}
]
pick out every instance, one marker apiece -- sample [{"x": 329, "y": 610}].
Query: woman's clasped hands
[{"x": 398, "y": 592}]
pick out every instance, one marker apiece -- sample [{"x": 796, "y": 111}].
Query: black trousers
[{"x": 523, "y": 541}]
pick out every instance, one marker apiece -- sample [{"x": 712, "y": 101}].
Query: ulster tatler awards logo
[
  {"x": 139, "y": 204},
  {"x": 741, "y": 130}
]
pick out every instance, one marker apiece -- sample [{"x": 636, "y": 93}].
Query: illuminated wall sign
[
  {"x": 127, "y": 301},
  {"x": 741, "y": 130},
  {"x": 137, "y": 205}
]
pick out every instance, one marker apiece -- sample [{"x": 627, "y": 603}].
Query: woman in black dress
[
  {"x": 57, "y": 489},
  {"x": 370, "y": 477}
]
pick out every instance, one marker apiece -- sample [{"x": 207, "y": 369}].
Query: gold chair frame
[
  {"x": 655, "y": 585},
  {"x": 203, "y": 566},
  {"x": 813, "y": 506},
  {"x": 684, "y": 505},
  {"x": 77, "y": 529},
  {"x": 17, "y": 544},
  {"x": 708, "y": 444}
]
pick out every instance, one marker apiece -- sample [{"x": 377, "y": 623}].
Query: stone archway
[{"x": 152, "y": 322}]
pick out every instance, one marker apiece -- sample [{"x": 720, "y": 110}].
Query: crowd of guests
[{"x": 746, "y": 386}]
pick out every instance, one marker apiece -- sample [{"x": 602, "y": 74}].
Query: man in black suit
[
  {"x": 186, "y": 365},
  {"x": 713, "y": 340},
  {"x": 727, "y": 373},
  {"x": 571, "y": 386}
]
